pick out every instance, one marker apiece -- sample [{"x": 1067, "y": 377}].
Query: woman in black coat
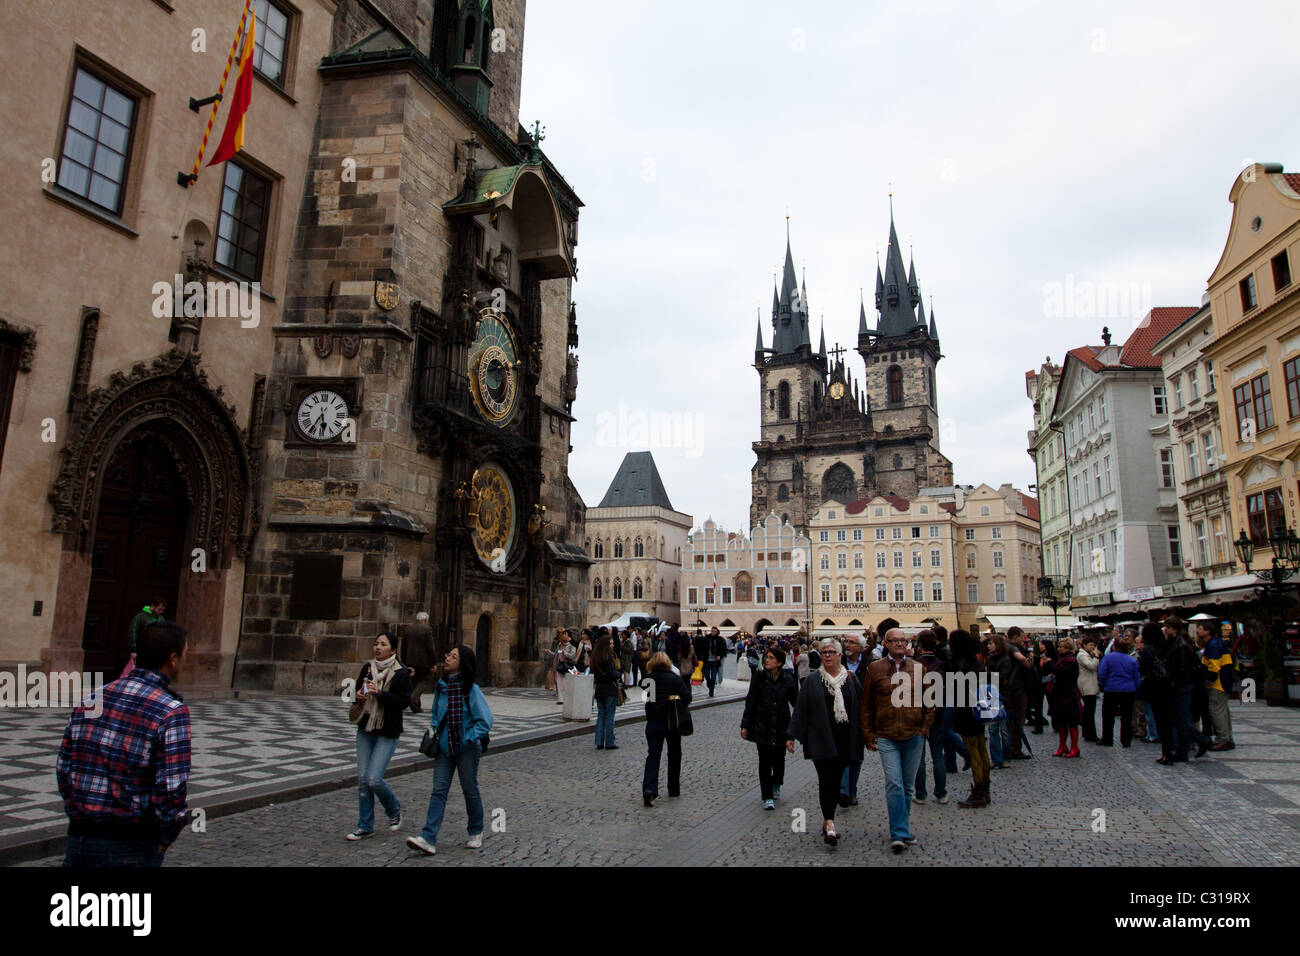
[
  {"x": 1156, "y": 688},
  {"x": 772, "y": 691},
  {"x": 966, "y": 662},
  {"x": 383, "y": 691},
  {"x": 662, "y": 715},
  {"x": 825, "y": 721},
  {"x": 1066, "y": 703}
]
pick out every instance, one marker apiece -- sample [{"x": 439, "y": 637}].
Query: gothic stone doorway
[{"x": 137, "y": 554}]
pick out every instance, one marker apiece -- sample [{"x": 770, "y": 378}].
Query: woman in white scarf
[
  {"x": 383, "y": 692},
  {"x": 825, "y": 721}
]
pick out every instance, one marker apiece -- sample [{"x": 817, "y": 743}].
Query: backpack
[{"x": 988, "y": 704}]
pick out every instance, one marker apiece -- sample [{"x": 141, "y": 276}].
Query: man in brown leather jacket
[{"x": 895, "y": 721}]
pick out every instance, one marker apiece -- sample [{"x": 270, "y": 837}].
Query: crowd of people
[{"x": 837, "y": 700}]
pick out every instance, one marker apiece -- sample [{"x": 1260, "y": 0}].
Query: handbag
[
  {"x": 988, "y": 704},
  {"x": 355, "y": 711},
  {"x": 622, "y": 695},
  {"x": 679, "y": 717}
]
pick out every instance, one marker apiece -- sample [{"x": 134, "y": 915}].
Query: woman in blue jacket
[
  {"x": 1118, "y": 679},
  {"x": 461, "y": 719}
]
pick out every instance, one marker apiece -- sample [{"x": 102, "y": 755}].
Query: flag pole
[{"x": 188, "y": 179}]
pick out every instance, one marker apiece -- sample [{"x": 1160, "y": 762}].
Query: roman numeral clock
[{"x": 319, "y": 412}]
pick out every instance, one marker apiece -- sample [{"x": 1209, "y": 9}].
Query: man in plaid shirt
[{"x": 123, "y": 775}]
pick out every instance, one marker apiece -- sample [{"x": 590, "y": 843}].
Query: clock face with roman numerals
[
  {"x": 494, "y": 368},
  {"x": 322, "y": 415}
]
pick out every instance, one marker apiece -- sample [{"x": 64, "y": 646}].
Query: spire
[
  {"x": 913, "y": 285},
  {"x": 897, "y": 305},
  {"x": 822, "y": 349},
  {"x": 862, "y": 314},
  {"x": 920, "y": 314},
  {"x": 934, "y": 329},
  {"x": 758, "y": 341}
]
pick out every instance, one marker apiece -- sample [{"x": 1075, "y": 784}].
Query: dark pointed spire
[
  {"x": 822, "y": 348},
  {"x": 880, "y": 286},
  {"x": 920, "y": 314},
  {"x": 862, "y": 314},
  {"x": 934, "y": 329},
  {"x": 758, "y": 341},
  {"x": 898, "y": 310}
]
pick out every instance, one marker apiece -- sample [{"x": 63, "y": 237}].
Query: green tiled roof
[{"x": 491, "y": 184}]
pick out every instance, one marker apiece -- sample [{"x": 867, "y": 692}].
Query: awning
[
  {"x": 778, "y": 630},
  {"x": 1033, "y": 622}
]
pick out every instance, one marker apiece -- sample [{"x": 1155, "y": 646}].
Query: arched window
[
  {"x": 618, "y": 548},
  {"x": 674, "y": 590},
  {"x": 661, "y": 589},
  {"x": 661, "y": 547},
  {"x": 838, "y": 483},
  {"x": 783, "y": 401},
  {"x": 637, "y": 591},
  {"x": 586, "y": 546},
  {"x": 783, "y": 493},
  {"x": 618, "y": 589},
  {"x": 595, "y": 589},
  {"x": 894, "y": 379},
  {"x": 600, "y": 549},
  {"x": 638, "y": 549}
]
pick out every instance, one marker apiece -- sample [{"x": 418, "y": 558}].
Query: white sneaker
[
  {"x": 359, "y": 835},
  {"x": 942, "y": 799},
  {"x": 769, "y": 805},
  {"x": 396, "y": 822},
  {"x": 918, "y": 799},
  {"x": 475, "y": 842},
  {"x": 421, "y": 844}
]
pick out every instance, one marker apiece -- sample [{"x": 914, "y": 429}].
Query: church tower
[
  {"x": 900, "y": 355},
  {"x": 792, "y": 381}
]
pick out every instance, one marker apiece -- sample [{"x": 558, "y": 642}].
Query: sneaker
[
  {"x": 769, "y": 804},
  {"x": 395, "y": 823},
  {"x": 360, "y": 834},
  {"x": 421, "y": 844},
  {"x": 916, "y": 799},
  {"x": 909, "y": 841},
  {"x": 898, "y": 846},
  {"x": 776, "y": 793},
  {"x": 475, "y": 842},
  {"x": 942, "y": 799}
]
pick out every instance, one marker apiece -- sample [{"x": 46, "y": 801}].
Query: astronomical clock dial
[
  {"x": 498, "y": 516},
  {"x": 322, "y": 415},
  {"x": 493, "y": 371},
  {"x": 837, "y": 391}
]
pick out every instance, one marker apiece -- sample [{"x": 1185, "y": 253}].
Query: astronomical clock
[{"x": 494, "y": 368}]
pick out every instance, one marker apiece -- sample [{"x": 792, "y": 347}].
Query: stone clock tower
[{"x": 418, "y": 409}]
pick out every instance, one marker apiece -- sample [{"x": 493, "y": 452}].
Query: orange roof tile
[{"x": 1158, "y": 323}]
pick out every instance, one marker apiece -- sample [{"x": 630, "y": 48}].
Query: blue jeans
[
  {"x": 1153, "y": 733},
  {"x": 655, "y": 735},
  {"x": 900, "y": 759},
  {"x": 444, "y": 767},
  {"x": 373, "y": 754},
  {"x": 849, "y": 782},
  {"x": 953, "y": 744},
  {"x": 999, "y": 741},
  {"x": 1185, "y": 732},
  {"x": 605, "y": 707},
  {"x": 938, "y": 757},
  {"x": 104, "y": 851}
]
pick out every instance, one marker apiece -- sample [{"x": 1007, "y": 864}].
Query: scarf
[
  {"x": 835, "y": 685},
  {"x": 455, "y": 709},
  {"x": 381, "y": 672}
]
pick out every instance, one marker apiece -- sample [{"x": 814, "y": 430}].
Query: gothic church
[{"x": 825, "y": 435}]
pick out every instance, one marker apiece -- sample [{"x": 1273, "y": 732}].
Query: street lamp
[
  {"x": 1055, "y": 594},
  {"x": 1285, "y": 563}
]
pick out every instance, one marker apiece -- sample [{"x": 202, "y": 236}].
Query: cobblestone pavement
[
  {"x": 254, "y": 742},
  {"x": 566, "y": 803}
]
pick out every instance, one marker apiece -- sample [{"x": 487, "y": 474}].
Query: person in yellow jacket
[{"x": 1216, "y": 658}]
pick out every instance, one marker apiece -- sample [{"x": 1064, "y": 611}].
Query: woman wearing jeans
[
  {"x": 604, "y": 668},
  {"x": 384, "y": 687},
  {"x": 461, "y": 719},
  {"x": 764, "y": 722}
]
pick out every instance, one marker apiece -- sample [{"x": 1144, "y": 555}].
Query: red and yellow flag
[{"x": 232, "y": 140}]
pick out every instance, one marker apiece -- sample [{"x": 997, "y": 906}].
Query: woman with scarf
[
  {"x": 384, "y": 691},
  {"x": 1063, "y": 695},
  {"x": 766, "y": 718},
  {"x": 460, "y": 719},
  {"x": 825, "y": 721}
]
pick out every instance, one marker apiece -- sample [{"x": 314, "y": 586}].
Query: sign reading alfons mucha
[
  {"x": 494, "y": 368},
  {"x": 498, "y": 516}
]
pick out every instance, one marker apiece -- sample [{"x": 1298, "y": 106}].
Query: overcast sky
[{"x": 1037, "y": 151}]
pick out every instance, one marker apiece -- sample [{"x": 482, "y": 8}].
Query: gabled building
[
  {"x": 635, "y": 537},
  {"x": 1112, "y": 406},
  {"x": 1047, "y": 449}
]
